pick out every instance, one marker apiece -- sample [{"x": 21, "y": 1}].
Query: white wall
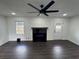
[
  {"x": 3, "y": 30},
  {"x": 37, "y": 22},
  {"x": 70, "y": 29},
  {"x": 74, "y": 30}
]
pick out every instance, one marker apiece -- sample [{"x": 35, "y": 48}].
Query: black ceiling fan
[{"x": 43, "y": 9}]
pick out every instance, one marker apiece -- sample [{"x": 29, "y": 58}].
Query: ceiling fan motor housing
[{"x": 41, "y": 5}]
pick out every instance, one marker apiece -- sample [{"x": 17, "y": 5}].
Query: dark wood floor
[{"x": 40, "y": 50}]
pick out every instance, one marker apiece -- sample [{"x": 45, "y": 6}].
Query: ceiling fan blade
[
  {"x": 50, "y": 11},
  {"x": 31, "y": 12},
  {"x": 46, "y": 14},
  {"x": 33, "y": 6},
  {"x": 48, "y": 5}
]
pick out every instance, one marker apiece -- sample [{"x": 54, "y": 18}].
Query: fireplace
[{"x": 39, "y": 34}]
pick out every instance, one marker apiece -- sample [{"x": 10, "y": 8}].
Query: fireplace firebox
[{"x": 39, "y": 34}]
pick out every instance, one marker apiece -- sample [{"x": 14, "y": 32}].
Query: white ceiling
[{"x": 71, "y": 7}]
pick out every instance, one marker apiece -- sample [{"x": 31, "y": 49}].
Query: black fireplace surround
[{"x": 39, "y": 34}]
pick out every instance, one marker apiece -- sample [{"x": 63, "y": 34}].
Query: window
[
  {"x": 58, "y": 27},
  {"x": 19, "y": 27}
]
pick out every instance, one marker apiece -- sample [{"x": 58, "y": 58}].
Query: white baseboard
[
  {"x": 74, "y": 42},
  {"x": 22, "y": 40},
  {"x": 3, "y": 43}
]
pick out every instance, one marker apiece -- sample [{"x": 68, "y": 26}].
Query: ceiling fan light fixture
[{"x": 40, "y": 14}]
